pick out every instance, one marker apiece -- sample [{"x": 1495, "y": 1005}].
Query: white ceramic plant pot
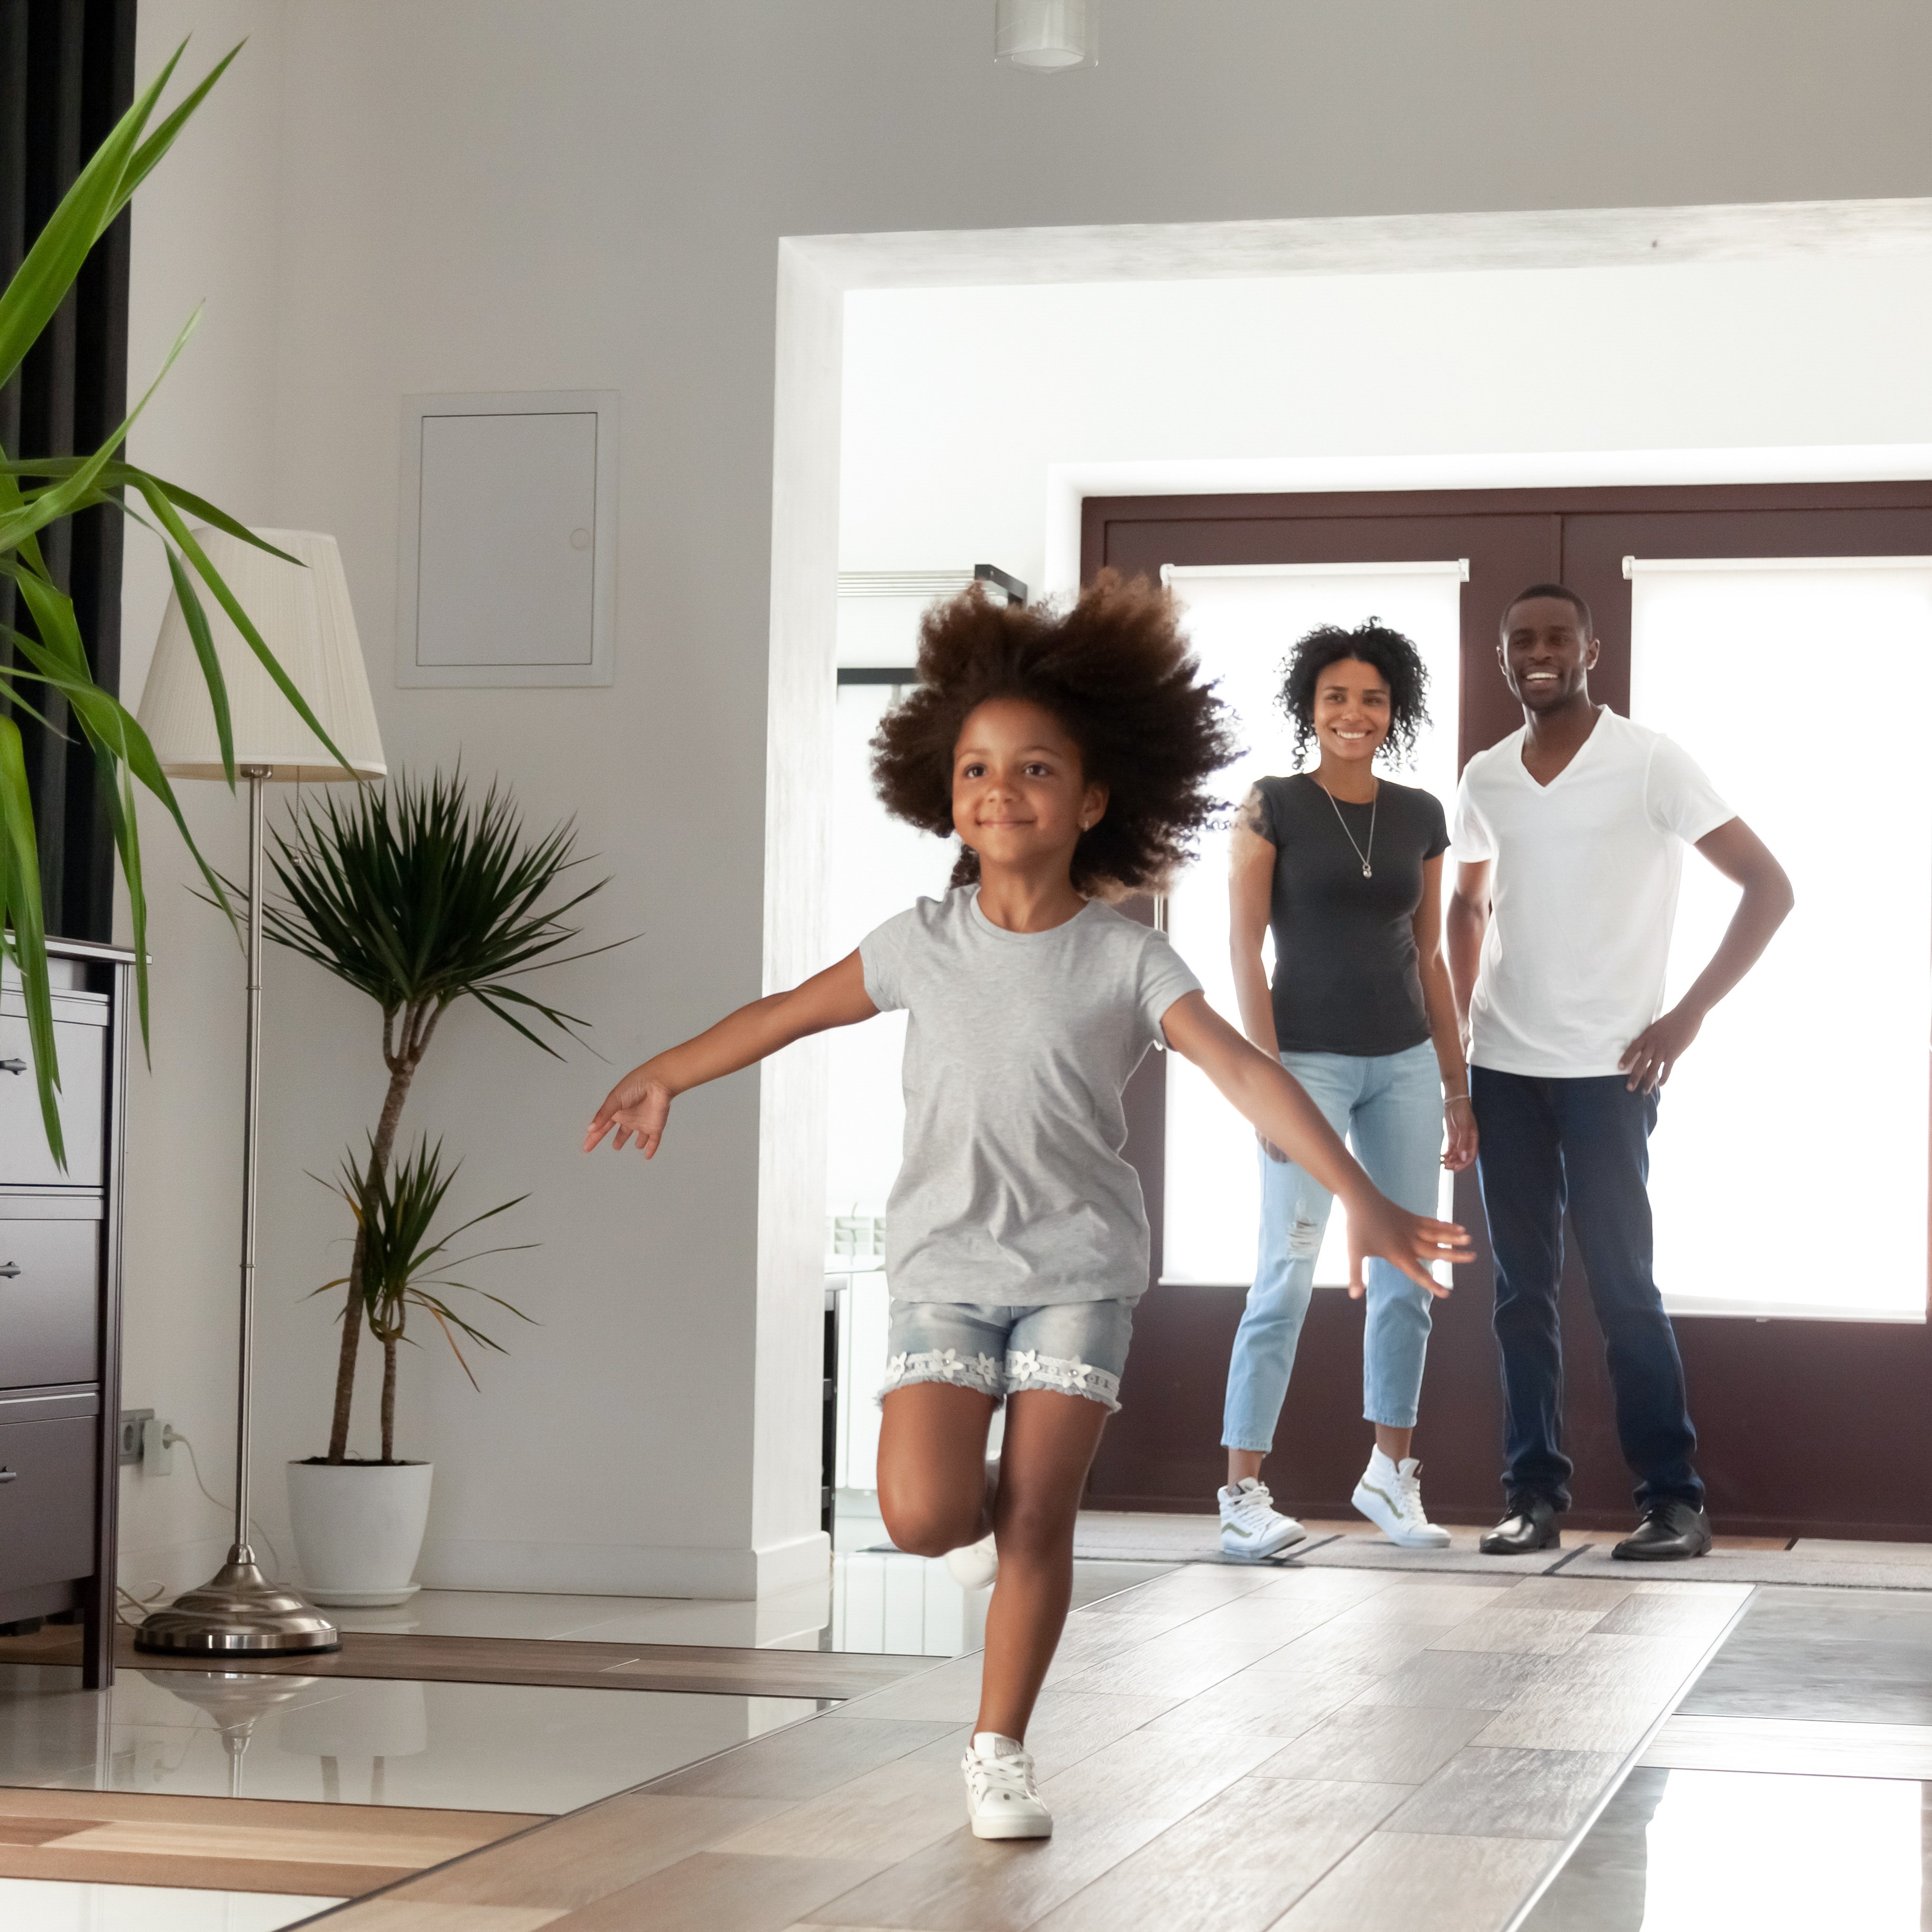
[{"x": 359, "y": 1528}]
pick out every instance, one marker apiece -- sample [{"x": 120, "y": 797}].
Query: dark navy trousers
[{"x": 1545, "y": 1144}]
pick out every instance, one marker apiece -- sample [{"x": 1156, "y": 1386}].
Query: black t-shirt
[{"x": 1345, "y": 978}]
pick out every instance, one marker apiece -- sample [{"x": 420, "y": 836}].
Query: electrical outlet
[
  {"x": 157, "y": 1449},
  {"x": 133, "y": 1423}
]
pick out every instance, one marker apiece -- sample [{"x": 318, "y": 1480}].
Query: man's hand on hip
[{"x": 1652, "y": 1057}]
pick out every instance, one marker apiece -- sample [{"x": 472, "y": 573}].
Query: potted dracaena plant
[
  {"x": 418, "y": 895},
  {"x": 364, "y": 1535},
  {"x": 47, "y": 673}
]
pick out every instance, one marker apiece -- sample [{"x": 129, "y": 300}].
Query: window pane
[
  {"x": 1789, "y": 1166},
  {"x": 1243, "y": 628}
]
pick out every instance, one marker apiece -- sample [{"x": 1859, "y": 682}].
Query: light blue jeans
[{"x": 1389, "y": 1108}]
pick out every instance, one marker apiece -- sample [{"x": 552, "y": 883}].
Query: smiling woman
[{"x": 1241, "y": 621}]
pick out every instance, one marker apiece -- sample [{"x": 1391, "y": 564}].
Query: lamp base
[{"x": 238, "y": 1612}]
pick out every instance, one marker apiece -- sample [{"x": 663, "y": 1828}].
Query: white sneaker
[
  {"x": 1390, "y": 1495},
  {"x": 1001, "y": 1799},
  {"x": 973, "y": 1565},
  {"x": 1252, "y": 1527}
]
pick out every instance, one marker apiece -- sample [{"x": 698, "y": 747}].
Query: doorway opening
[{"x": 949, "y": 395}]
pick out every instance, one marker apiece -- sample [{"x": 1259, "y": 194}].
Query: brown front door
[{"x": 1805, "y": 1427}]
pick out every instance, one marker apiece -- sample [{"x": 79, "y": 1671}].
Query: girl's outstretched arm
[
  {"x": 637, "y": 1107},
  {"x": 1261, "y": 1089}
]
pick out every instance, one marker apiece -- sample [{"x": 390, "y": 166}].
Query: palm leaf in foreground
[{"x": 53, "y": 659}]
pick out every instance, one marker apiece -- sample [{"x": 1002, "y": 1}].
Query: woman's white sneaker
[
  {"x": 1252, "y": 1527},
  {"x": 1001, "y": 1799},
  {"x": 973, "y": 1565},
  {"x": 1390, "y": 1495}
]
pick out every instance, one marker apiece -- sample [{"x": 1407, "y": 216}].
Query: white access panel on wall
[{"x": 507, "y": 571}]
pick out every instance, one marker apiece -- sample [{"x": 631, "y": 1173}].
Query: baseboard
[
  {"x": 795, "y": 1564},
  {"x": 625, "y": 1570}
]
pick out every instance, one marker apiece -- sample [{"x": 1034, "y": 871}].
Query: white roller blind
[
  {"x": 1244, "y": 621},
  {"x": 1789, "y": 1166}
]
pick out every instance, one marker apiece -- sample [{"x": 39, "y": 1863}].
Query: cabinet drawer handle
[
  {"x": 10, "y": 1475},
  {"x": 9, "y": 1269},
  {"x": 12, "y": 1066}
]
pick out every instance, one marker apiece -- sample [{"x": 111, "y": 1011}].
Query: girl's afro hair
[
  {"x": 1372, "y": 643},
  {"x": 1117, "y": 673}
]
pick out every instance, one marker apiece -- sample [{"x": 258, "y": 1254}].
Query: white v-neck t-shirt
[{"x": 1583, "y": 881}]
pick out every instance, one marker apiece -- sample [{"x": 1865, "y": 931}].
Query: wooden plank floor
[
  {"x": 559, "y": 1663},
  {"x": 1229, "y": 1749},
  {"x": 231, "y": 1844}
]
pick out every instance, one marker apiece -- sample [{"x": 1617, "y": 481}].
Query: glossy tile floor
[
  {"x": 1696, "y": 1851},
  {"x": 463, "y": 1747},
  {"x": 1792, "y": 1789},
  {"x": 27, "y": 1905}
]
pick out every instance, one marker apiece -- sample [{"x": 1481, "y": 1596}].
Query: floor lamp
[{"x": 305, "y": 617}]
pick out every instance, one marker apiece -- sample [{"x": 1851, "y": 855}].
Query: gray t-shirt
[{"x": 1012, "y": 1187}]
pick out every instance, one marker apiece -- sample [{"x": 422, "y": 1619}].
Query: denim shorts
[{"x": 1073, "y": 1348}]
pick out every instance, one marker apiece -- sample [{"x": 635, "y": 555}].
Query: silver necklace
[{"x": 1368, "y": 871}]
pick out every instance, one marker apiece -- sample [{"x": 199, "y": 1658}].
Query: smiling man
[{"x": 1569, "y": 838}]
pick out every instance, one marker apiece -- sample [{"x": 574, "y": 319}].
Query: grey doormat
[
  {"x": 1128, "y": 1536},
  {"x": 1872, "y": 1568},
  {"x": 1366, "y": 1550},
  {"x": 1122, "y": 1535}
]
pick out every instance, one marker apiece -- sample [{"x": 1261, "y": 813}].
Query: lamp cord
[
  {"x": 169, "y": 1437},
  {"x": 125, "y": 1597}
]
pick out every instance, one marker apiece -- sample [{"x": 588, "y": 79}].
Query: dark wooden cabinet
[{"x": 60, "y": 1303}]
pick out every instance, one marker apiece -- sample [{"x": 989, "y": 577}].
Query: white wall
[
  {"x": 391, "y": 196},
  {"x": 1373, "y": 378},
  {"x": 206, "y": 231}
]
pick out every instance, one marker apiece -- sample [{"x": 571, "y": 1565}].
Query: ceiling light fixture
[{"x": 1046, "y": 36}]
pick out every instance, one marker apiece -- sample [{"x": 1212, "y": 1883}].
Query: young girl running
[{"x": 1069, "y": 752}]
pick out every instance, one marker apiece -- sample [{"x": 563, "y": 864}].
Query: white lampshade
[{"x": 304, "y": 616}]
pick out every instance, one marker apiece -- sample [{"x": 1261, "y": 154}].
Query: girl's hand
[
  {"x": 1380, "y": 1230},
  {"x": 1458, "y": 1122},
  {"x": 637, "y": 1109}
]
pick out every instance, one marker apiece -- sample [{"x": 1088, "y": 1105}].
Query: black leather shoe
[
  {"x": 1669, "y": 1533},
  {"x": 1530, "y": 1525}
]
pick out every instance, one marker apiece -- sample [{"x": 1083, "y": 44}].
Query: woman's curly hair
[
  {"x": 1118, "y": 673},
  {"x": 1371, "y": 642}
]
